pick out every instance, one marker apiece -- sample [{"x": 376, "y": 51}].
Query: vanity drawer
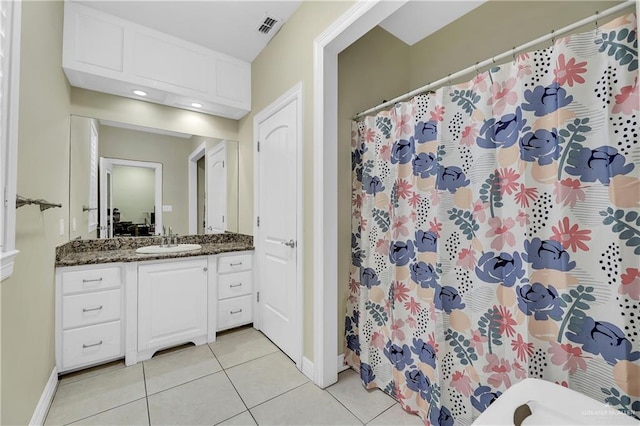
[
  {"x": 241, "y": 262},
  {"x": 90, "y": 279},
  {"x": 90, "y": 308},
  {"x": 91, "y": 344},
  {"x": 233, "y": 312},
  {"x": 232, "y": 285}
]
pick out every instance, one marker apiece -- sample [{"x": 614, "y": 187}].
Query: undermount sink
[{"x": 178, "y": 248}]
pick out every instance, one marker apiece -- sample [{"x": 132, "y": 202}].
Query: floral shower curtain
[{"x": 496, "y": 233}]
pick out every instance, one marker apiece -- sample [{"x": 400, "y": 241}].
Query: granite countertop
[{"x": 123, "y": 249}]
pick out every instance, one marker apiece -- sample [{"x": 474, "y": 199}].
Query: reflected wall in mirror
[{"x": 185, "y": 181}]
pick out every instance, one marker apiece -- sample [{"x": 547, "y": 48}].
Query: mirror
[{"x": 127, "y": 180}]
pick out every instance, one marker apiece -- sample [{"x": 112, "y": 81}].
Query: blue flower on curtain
[
  {"x": 424, "y": 274},
  {"x": 401, "y": 252},
  {"x": 501, "y": 133},
  {"x": 373, "y": 185},
  {"x": 425, "y": 165},
  {"x": 451, "y": 178},
  {"x": 425, "y": 352},
  {"x": 440, "y": 416},
  {"x": 606, "y": 339},
  {"x": 366, "y": 373},
  {"x": 356, "y": 253},
  {"x": 418, "y": 382},
  {"x": 541, "y": 146},
  {"x": 483, "y": 397},
  {"x": 544, "y": 100},
  {"x": 547, "y": 254},
  {"x": 541, "y": 302},
  {"x": 368, "y": 277},
  {"x": 597, "y": 164},
  {"x": 400, "y": 357},
  {"x": 426, "y": 241},
  {"x": 353, "y": 343},
  {"x": 402, "y": 151},
  {"x": 503, "y": 269},
  {"x": 426, "y": 131},
  {"x": 447, "y": 299}
]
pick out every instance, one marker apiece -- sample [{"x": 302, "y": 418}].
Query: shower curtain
[{"x": 496, "y": 233}]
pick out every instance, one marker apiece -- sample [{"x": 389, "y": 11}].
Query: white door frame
[
  {"x": 344, "y": 31},
  {"x": 196, "y": 155},
  {"x": 292, "y": 95}
]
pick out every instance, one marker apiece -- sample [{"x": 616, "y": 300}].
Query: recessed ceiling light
[
  {"x": 196, "y": 105},
  {"x": 140, "y": 93}
]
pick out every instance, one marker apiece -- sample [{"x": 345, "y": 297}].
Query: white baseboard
[
  {"x": 46, "y": 398},
  {"x": 307, "y": 366}
]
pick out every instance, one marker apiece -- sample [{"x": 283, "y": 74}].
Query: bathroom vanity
[{"x": 112, "y": 302}]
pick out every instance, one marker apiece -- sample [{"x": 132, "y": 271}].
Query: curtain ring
[
  {"x": 449, "y": 79},
  {"x": 597, "y": 29},
  {"x": 553, "y": 37},
  {"x": 513, "y": 54},
  {"x": 476, "y": 68}
]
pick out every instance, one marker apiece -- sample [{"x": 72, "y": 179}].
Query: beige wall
[
  {"x": 287, "y": 60},
  {"x": 365, "y": 78},
  {"x": 172, "y": 152},
  {"x": 134, "y": 193},
  {"x": 43, "y": 160}
]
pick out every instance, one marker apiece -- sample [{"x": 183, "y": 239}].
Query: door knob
[{"x": 291, "y": 243}]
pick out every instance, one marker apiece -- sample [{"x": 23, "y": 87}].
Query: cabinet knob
[{"x": 205, "y": 269}]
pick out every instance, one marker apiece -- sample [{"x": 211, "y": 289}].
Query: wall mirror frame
[{"x": 184, "y": 187}]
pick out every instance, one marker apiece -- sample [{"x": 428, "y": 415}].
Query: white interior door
[
  {"x": 106, "y": 199},
  {"x": 216, "y": 193},
  {"x": 277, "y": 246}
]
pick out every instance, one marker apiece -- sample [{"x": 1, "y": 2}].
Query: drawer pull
[
  {"x": 235, "y": 312},
  {"x": 85, "y": 346},
  {"x": 235, "y": 285},
  {"x": 235, "y": 264},
  {"x": 92, "y": 309},
  {"x": 92, "y": 281}
]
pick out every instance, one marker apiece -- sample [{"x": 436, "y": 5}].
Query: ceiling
[{"x": 231, "y": 26}]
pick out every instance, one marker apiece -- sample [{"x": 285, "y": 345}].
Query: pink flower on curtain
[
  {"x": 412, "y": 306},
  {"x": 628, "y": 100},
  {"x": 354, "y": 286},
  {"x": 435, "y": 197},
  {"x": 568, "y": 356},
  {"x": 369, "y": 135},
  {"x": 382, "y": 246},
  {"x": 404, "y": 188},
  {"x": 363, "y": 223},
  {"x": 523, "y": 69},
  {"x": 569, "y": 72},
  {"x": 461, "y": 383},
  {"x": 385, "y": 153},
  {"x": 502, "y": 95},
  {"x": 479, "y": 213},
  {"x": 630, "y": 283},
  {"x": 508, "y": 180},
  {"x": 412, "y": 323},
  {"x": 570, "y": 236},
  {"x": 519, "y": 371},
  {"x": 400, "y": 291},
  {"x": 396, "y": 329},
  {"x": 500, "y": 229},
  {"x": 398, "y": 226},
  {"x": 525, "y": 195},
  {"x": 523, "y": 349},
  {"x": 568, "y": 192},
  {"x": 414, "y": 200},
  {"x": 477, "y": 341},
  {"x": 506, "y": 321},
  {"x": 522, "y": 218},
  {"x": 403, "y": 125},
  {"x": 357, "y": 200},
  {"x": 438, "y": 113},
  {"x": 377, "y": 340},
  {"x": 469, "y": 135},
  {"x": 431, "y": 340},
  {"x": 435, "y": 226},
  {"x": 466, "y": 259},
  {"x": 500, "y": 369},
  {"x": 480, "y": 82},
  {"x": 563, "y": 383}
]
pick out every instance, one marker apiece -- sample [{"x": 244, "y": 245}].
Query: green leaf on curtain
[
  {"x": 489, "y": 326},
  {"x": 382, "y": 219},
  {"x": 384, "y": 125},
  {"x": 467, "y": 99},
  {"x": 624, "y": 225},
  {"x": 464, "y": 220},
  {"x": 623, "y": 46},
  {"x": 377, "y": 312},
  {"x": 461, "y": 346}
]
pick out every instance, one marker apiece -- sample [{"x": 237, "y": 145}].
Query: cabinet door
[{"x": 172, "y": 303}]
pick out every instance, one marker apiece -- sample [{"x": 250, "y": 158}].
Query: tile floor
[{"x": 242, "y": 379}]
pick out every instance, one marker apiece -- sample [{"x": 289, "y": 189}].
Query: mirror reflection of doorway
[{"x": 130, "y": 198}]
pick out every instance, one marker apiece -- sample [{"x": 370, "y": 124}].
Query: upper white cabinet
[{"x": 104, "y": 53}]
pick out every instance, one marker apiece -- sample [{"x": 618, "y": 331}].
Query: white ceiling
[{"x": 231, "y": 26}]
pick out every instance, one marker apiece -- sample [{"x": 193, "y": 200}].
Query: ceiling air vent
[{"x": 267, "y": 24}]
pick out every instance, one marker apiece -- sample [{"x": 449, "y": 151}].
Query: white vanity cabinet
[
  {"x": 89, "y": 325},
  {"x": 172, "y": 304}
]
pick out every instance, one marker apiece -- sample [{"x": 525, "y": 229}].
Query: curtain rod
[{"x": 493, "y": 60}]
